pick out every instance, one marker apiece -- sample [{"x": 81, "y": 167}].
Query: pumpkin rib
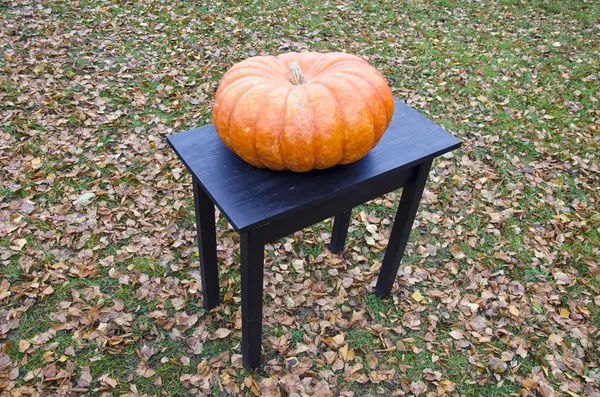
[
  {"x": 344, "y": 62},
  {"x": 233, "y": 111},
  {"x": 377, "y": 75},
  {"x": 347, "y": 63},
  {"x": 283, "y": 65},
  {"x": 339, "y": 112},
  {"x": 365, "y": 105},
  {"x": 324, "y": 64},
  {"x": 361, "y": 72},
  {"x": 285, "y": 103},
  {"x": 314, "y": 128},
  {"x": 243, "y": 121},
  {"x": 247, "y": 80},
  {"x": 267, "y": 133},
  {"x": 307, "y": 61},
  {"x": 297, "y": 140},
  {"x": 381, "y": 100},
  {"x": 216, "y": 118},
  {"x": 258, "y": 109},
  {"x": 354, "y": 130},
  {"x": 236, "y": 83},
  {"x": 308, "y": 71},
  {"x": 325, "y": 157},
  {"x": 273, "y": 62}
]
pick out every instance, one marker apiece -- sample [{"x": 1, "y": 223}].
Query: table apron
[{"x": 345, "y": 200}]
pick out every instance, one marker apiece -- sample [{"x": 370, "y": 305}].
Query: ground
[{"x": 499, "y": 290}]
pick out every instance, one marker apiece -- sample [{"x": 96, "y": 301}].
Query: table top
[{"x": 251, "y": 197}]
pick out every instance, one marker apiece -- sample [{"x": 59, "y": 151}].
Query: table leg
[
  {"x": 340, "y": 231},
  {"x": 405, "y": 216},
  {"x": 207, "y": 246},
  {"x": 252, "y": 258}
]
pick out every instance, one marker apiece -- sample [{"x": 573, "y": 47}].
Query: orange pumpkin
[{"x": 301, "y": 111}]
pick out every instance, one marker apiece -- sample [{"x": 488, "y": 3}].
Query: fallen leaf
[
  {"x": 222, "y": 333},
  {"x": 497, "y": 366},
  {"x": 418, "y": 387},
  {"x": 23, "y": 345},
  {"x": 456, "y": 252},
  {"x": 85, "y": 199},
  {"x": 417, "y": 297}
]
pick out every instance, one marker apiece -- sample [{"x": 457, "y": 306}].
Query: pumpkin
[{"x": 302, "y": 111}]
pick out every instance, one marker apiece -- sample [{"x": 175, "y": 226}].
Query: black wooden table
[{"x": 264, "y": 205}]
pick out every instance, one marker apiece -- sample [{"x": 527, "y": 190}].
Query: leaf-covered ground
[{"x": 499, "y": 290}]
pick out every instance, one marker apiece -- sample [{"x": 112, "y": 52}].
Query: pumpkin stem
[{"x": 296, "y": 74}]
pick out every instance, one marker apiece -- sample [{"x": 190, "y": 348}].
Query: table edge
[
  {"x": 326, "y": 197},
  {"x": 199, "y": 182}
]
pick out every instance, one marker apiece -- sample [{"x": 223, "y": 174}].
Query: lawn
[{"x": 499, "y": 290}]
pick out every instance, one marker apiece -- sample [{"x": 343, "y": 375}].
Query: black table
[{"x": 264, "y": 205}]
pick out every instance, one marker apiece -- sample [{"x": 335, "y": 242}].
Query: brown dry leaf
[
  {"x": 528, "y": 383},
  {"x": 23, "y": 345},
  {"x": 85, "y": 378},
  {"x": 18, "y": 244},
  {"x": 495, "y": 217},
  {"x": 562, "y": 278},
  {"x": 418, "y": 388},
  {"x": 195, "y": 345},
  {"x": 456, "y": 252},
  {"x": 497, "y": 365},
  {"x": 338, "y": 339},
  {"x": 222, "y": 333},
  {"x": 236, "y": 360},
  {"x": 144, "y": 370}
]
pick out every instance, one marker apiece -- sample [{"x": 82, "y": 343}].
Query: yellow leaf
[
  {"x": 564, "y": 313},
  {"x": 514, "y": 310},
  {"x": 371, "y": 360},
  {"x": 570, "y": 393},
  {"x": 344, "y": 352},
  {"x": 417, "y": 296},
  {"x": 582, "y": 310},
  {"x": 338, "y": 339},
  {"x": 529, "y": 383}
]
